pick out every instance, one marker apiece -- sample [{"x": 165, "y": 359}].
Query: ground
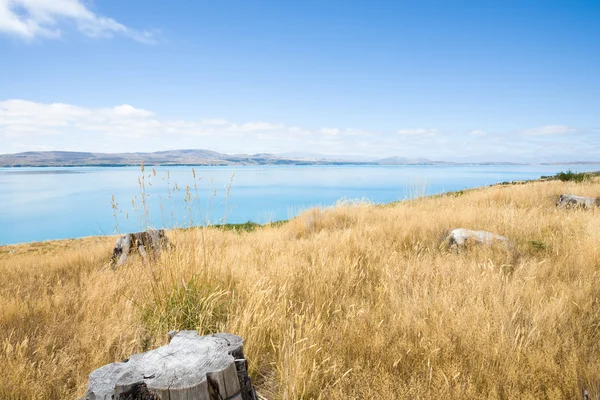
[{"x": 353, "y": 301}]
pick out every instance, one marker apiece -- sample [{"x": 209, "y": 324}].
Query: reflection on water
[
  {"x": 52, "y": 203},
  {"x": 40, "y": 171}
]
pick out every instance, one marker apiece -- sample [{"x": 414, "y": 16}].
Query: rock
[
  {"x": 152, "y": 241},
  {"x": 572, "y": 201},
  {"x": 189, "y": 367},
  {"x": 460, "y": 237}
]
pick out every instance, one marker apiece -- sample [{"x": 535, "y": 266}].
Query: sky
[{"x": 457, "y": 81}]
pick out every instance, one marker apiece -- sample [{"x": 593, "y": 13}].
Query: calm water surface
[{"x": 54, "y": 203}]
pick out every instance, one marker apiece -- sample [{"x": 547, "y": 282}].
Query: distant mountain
[
  {"x": 169, "y": 157},
  {"x": 408, "y": 161},
  {"x": 572, "y": 163},
  {"x": 329, "y": 157},
  {"x": 67, "y": 158},
  {"x": 200, "y": 157}
]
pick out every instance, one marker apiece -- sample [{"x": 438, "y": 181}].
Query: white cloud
[
  {"x": 35, "y": 147},
  {"x": 27, "y": 125},
  {"x": 215, "y": 121},
  {"x": 19, "y": 117},
  {"x": 330, "y": 131},
  {"x": 29, "y": 19},
  {"x": 477, "y": 132},
  {"x": 21, "y": 120},
  {"x": 126, "y": 110},
  {"x": 259, "y": 126},
  {"x": 549, "y": 130},
  {"x": 418, "y": 132}
]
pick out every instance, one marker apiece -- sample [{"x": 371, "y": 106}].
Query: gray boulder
[
  {"x": 460, "y": 237},
  {"x": 573, "y": 201}
]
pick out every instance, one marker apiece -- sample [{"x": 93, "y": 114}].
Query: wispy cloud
[
  {"x": 549, "y": 130},
  {"x": 477, "y": 132},
  {"x": 418, "y": 131},
  {"x": 22, "y": 119},
  {"x": 30, "y": 19},
  {"x": 27, "y": 125},
  {"x": 330, "y": 131},
  {"x": 259, "y": 126}
]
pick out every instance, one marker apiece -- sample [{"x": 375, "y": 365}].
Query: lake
[{"x": 55, "y": 203}]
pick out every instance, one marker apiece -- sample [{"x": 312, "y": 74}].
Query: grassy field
[{"x": 356, "y": 301}]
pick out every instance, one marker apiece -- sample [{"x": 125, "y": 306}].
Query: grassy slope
[{"x": 353, "y": 302}]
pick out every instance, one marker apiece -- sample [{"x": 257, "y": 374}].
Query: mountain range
[
  {"x": 199, "y": 157},
  {"x": 183, "y": 157}
]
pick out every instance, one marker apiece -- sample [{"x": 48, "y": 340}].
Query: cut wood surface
[{"x": 189, "y": 367}]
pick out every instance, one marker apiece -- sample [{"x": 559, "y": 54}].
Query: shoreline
[
  {"x": 293, "y": 163},
  {"x": 250, "y": 226}
]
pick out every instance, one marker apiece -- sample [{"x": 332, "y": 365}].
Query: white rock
[{"x": 461, "y": 236}]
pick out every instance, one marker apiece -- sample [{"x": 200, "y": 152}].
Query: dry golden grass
[{"x": 358, "y": 301}]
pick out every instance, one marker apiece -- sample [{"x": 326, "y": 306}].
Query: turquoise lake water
[{"x": 55, "y": 203}]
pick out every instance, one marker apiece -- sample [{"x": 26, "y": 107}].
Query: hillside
[
  {"x": 172, "y": 157},
  {"x": 356, "y": 301},
  {"x": 191, "y": 157}
]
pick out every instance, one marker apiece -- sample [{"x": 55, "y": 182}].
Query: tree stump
[
  {"x": 190, "y": 367},
  {"x": 151, "y": 241}
]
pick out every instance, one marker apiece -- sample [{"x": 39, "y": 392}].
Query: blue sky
[{"x": 464, "y": 80}]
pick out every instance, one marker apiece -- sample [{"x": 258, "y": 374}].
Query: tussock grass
[
  {"x": 355, "y": 301},
  {"x": 570, "y": 176}
]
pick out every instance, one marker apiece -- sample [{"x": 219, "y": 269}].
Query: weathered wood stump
[
  {"x": 572, "y": 201},
  {"x": 460, "y": 237},
  {"x": 151, "y": 241},
  {"x": 189, "y": 367}
]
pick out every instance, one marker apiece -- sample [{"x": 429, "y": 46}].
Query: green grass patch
[
  {"x": 538, "y": 245},
  {"x": 193, "y": 305},
  {"x": 247, "y": 226},
  {"x": 578, "y": 177}
]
